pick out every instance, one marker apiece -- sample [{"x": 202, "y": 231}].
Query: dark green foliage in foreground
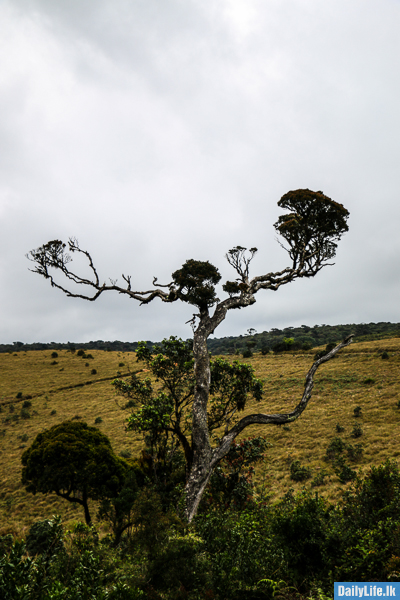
[
  {"x": 294, "y": 547},
  {"x": 74, "y": 461}
]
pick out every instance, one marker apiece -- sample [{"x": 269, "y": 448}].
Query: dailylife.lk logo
[{"x": 363, "y": 589}]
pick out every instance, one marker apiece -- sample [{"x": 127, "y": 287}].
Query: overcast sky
[{"x": 155, "y": 131}]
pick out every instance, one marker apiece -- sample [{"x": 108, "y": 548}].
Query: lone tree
[
  {"x": 74, "y": 461},
  {"x": 310, "y": 229}
]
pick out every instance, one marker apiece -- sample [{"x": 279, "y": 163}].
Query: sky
[{"x": 155, "y": 131}]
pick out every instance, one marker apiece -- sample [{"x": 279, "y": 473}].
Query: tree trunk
[{"x": 200, "y": 471}]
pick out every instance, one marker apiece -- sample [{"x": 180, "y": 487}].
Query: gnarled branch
[{"x": 277, "y": 419}]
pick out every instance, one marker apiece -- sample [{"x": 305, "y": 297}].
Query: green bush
[
  {"x": 357, "y": 431},
  {"x": 54, "y": 355},
  {"x": 355, "y": 452},
  {"x": 45, "y": 537},
  {"x": 357, "y": 411},
  {"x": 298, "y": 472},
  {"x": 335, "y": 448},
  {"x": 343, "y": 471},
  {"x": 247, "y": 353},
  {"x": 319, "y": 479}
]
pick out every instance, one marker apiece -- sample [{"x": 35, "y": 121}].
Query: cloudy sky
[{"x": 155, "y": 131}]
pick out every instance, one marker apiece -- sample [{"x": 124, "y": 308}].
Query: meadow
[{"x": 39, "y": 390}]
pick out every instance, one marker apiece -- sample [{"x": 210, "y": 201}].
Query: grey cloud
[{"x": 157, "y": 132}]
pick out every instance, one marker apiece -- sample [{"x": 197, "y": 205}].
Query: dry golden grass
[{"x": 339, "y": 388}]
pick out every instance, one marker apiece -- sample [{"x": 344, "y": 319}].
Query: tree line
[{"x": 304, "y": 337}]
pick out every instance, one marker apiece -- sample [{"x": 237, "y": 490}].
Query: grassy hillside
[{"x": 64, "y": 387}]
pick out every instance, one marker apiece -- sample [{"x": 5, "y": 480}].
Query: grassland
[{"x": 64, "y": 387}]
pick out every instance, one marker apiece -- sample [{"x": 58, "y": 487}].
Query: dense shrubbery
[{"x": 297, "y": 546}]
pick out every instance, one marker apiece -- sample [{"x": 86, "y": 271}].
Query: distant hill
[{"x": 278, "y": 340}]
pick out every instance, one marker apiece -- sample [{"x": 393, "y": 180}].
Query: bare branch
[
  {"x": 277, "y": 419},
  {"x": 53, "y": 256}
]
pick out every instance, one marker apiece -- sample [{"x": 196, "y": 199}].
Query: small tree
[
  {"x": 74, "y": 461},
  {"x": 164, "y": 415},
  {"x": 310, "y": 229}
]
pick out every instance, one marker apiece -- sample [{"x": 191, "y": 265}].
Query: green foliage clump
[
  {"x": 45, "y": 537},
  {"x": 195, "y": 282},
  {"x": 231, "y": 484},
  {"x": 357, "y": 431},
  {"x": 319, "y": 479},
  {"x": 357, "y": 411},
  {"x": 313, "y": 226},
  {"x": 299, "y": 472},
  {"x": 335, "y": 448}
]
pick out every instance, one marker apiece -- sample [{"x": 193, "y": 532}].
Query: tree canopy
[{"x": 74, "y": 461}]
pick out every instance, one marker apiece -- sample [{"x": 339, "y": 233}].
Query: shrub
[
  {"x": 298, "y": 472},
  {"x": 121, "y": 364},
  {"x": 81, "y": 353},
  {"x": 357, "y": 411},
  {"x": 343, "y": 471},
  {"x": 89, "y": 356},
  {"x": 27, "y": 404},
  {"x": 45, "y": 537},
  {"x": 86, "y": 364},
  {"x": 53, "y": 412},
  {"x": 385, "y": 355},
  {"x": 11, "y": 408},
  {"x": 357, "y": 431},
  {"x": 93, "y": 372},
  {"x": 54, "y": 355},
  {"x": 319, "y": 479},
  {"x": 339, "y": 428},
  {"x": 98, "y": 420},
  {"x": 355, "y": 452},
  {"x": 247, "y": 353},
  {"x": 25, "y": 414},
  {"x": 54, "y": 362},
  {"x": 335, "y": 448},
  {"x": 19, "y": 395},
  {"x": 369, "y": 381},
  {"x": 264, "y": 350}
]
